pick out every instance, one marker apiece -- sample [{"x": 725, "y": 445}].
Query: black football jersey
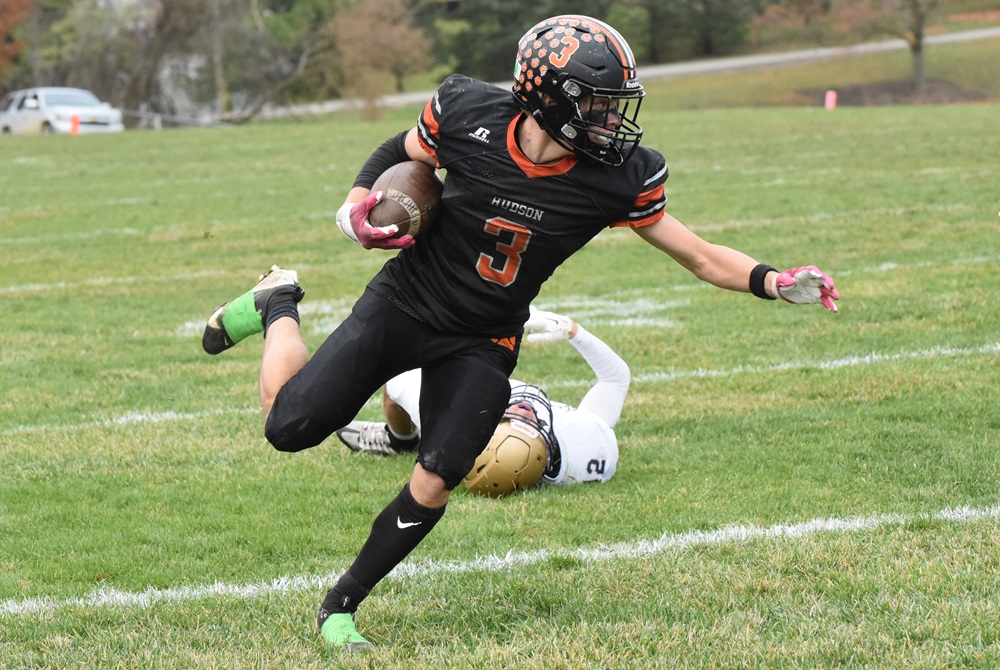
[{"x": 506, "y": 223}]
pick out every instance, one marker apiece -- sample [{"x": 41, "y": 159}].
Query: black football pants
[{"x": 464, "y": 389}]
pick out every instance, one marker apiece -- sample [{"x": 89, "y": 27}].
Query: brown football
[{"x": 412, "y": 198}]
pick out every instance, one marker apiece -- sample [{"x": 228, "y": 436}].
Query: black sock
[
  {"x": 397, "y": 530},
  {"x": 282, "y": 309},
  {"x": 402, "y": 444},
  {"x": 282, "y": 302},
  {"x": 344, "y": 597}
]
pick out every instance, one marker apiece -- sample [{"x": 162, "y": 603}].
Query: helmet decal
[
  {"x": 524, "y": 427},
  {"x": 569, "y": 44},
  {"x": 576, "y": 77}
]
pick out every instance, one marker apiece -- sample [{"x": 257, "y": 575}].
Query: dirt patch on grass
[{"x": 933, "y": 92}]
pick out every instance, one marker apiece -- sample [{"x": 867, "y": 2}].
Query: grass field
[
  {"x": 968, "y": 67},
  {"x": 796, "y": 489}
]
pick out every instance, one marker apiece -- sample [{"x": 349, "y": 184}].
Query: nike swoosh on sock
[{"x": 407, "y": 524}]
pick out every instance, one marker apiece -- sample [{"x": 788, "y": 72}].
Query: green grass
[
  {"x": 969, "y": 66},
  {"x": 850, "y": 23},
  {"x": 132, "y": 461}
]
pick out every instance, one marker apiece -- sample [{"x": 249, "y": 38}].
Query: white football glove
[
  {"x": 805, "y": 286},
  {"x": 352, "y": 219},
  {"x": 344, "y": 221},
  {"x": 547, "y": 326}
]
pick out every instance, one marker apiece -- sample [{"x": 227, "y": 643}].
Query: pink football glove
[
  {"x": 368, "y": 235},
  {"x": 805, "y": 286}
]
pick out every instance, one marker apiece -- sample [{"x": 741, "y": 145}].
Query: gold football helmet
[{"x": 515, "y": 459}]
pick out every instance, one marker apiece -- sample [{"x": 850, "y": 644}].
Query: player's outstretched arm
[
  {"x": 607, "y": 396},
  {"x": 731, "y": 269}
]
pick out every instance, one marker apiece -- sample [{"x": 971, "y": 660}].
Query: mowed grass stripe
[
  {"x": 866, "y": 359},
  {"x": 639, "y": 549},
  {"x": 17, "y": 289}
]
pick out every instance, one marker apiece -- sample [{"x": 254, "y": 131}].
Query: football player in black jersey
[{"x": 531, "y": 178}]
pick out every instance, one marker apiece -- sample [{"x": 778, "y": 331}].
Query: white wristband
[{"x": 344, "y": 221}]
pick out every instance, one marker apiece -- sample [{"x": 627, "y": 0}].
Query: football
[{"x": 412, "y": 198}]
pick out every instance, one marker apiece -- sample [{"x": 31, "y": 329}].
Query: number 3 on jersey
[{"x": 502, "y": 267}]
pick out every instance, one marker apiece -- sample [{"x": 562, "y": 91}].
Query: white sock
[{"x": 398, "y": 436}]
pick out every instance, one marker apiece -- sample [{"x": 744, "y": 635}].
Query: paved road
[
  {"x": 804, "y": 56},
  {"x": 673, "y": 70}
]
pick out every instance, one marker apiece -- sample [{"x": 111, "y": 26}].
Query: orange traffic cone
[{"x": 74, "y": 124}]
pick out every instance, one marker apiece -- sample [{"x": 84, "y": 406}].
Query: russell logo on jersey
[{"x": 483, "y": 135}]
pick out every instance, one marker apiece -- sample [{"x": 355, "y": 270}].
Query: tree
[
  {"x": 377, "y": 45},
  {"x": 633, "y": 22},
  {"x": 720, "y": 26},
  {"x": 13, "y": 14},
  {"x": 809, "y": 9},
  {"x": 480, "y": 37},
  {"x": 682, "y": 29},
  {"x": 908, "y": 20},
  {"x": 296, "y": 32},
  {"x": 123, "y": 52},
  {"x": 218, "y": 60},
  {"x": 32, "y": 65}
]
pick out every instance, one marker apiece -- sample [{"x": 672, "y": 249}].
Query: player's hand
[
  {"x": 806, "y": 285},
  {"x": 357, "y": 227},
  {"x": 547, "y": 326}
]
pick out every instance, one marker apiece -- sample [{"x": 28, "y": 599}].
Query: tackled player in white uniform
[{"x": 580, "y": 442}]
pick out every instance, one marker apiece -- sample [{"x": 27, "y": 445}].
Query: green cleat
[
  {"x": 245, "y": 316},
  {"x": 339, "y": 630}
]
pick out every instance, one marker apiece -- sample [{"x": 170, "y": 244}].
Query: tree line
[{"x": 226, "y": 59}]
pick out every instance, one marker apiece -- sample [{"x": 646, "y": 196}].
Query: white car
[{"x": 57, "y": 110}]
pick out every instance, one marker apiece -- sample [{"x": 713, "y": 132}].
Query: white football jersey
[{"x": 588, "y": 447}]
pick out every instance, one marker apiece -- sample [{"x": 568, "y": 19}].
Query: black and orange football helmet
[{"x": 576, "y": 76}]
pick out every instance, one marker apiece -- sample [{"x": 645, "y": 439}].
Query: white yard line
[
  {"x": 110, "y": 281},
  {"x": 127, "y": 419},
  {"x": 872, "y": 358},
  {"x": 52, "y": 239},
  {"x": 666, "y": 543},
  {"x": 185, "y": 276}
]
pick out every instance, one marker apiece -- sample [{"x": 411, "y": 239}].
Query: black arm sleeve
[{"x": 391, "y": 152}]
